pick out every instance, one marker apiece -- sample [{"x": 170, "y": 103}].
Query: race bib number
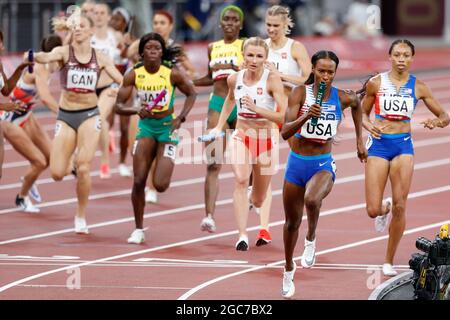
[
  {"x": 324, "y": 130},
  {"x": 170, "y": 151},
  {"x": 223, "y": 73},
  {"x": 396, "y": 107},
  {"x": 148, "y": 98},
  {"x": 82, "y": 79}
]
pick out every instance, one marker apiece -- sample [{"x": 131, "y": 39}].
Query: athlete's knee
[
  {"x": 398, "y": 209},
  {"x": 83, "y": 170},
  {"x": 213, "y": 168},
  {"x": 40, "y": 162},
  {"x": 312, "y": 202},
  {"x": 292, "y": 225},
  {"x": 58, "y": 175},
  {"x": 139, "y": 181},
  {"x": 161, "y": 186},
  {"x": 241, "y": 182},
  {"x": 373, "y": 211},
  {"x": 257, "y": 200}
]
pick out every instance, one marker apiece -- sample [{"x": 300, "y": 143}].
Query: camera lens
[{"x": 423, "y": 244}]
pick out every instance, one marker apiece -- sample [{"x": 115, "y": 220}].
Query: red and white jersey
[
  {"x": 283, "y": 60},
  {"x": 258, "y": 92}
]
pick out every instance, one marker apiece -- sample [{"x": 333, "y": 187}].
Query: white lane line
[
  {"x": 43, "y": 286},
  {"x": 226, "y": 234},
  {"x": 201, "y": 266},
  {"x": 419, "y": 166},
  {"x": 191, "y": 292}
]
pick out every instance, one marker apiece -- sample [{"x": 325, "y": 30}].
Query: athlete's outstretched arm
[
  {"x": 181, "y": 81},
  {"x": 442, "y": 118},
  {"x": 10, "y": 83},
  {"x": 56, "y": 55},
  {"x": 125, "y": 92}
]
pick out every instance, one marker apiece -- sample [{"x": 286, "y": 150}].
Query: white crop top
[
  {"x": 283, "y": 60},
  {"x": 258, "y": 92},
  {"x": 107, "y": 46}
]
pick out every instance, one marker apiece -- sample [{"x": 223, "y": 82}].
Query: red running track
[{"x": 40, "y": 256}]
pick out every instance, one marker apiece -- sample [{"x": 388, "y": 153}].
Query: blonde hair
[
  {"x": 284, "y": 12},
  {"x": 258, "y": 42}
]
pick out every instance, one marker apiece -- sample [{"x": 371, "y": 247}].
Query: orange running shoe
[
  {"x": 112, "y": 142},
  {"x": 263, "y": 238},
  {"x": 104, "y": 171}
]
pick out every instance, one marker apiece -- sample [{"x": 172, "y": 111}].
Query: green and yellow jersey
[
  {"x": 149, "y": 86},
  {"x": 226, "y": 53}
]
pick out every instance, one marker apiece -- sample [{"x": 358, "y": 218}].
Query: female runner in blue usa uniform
[
  {"x": 311, "y": 171},
  {"x": 394, "y": 94}
]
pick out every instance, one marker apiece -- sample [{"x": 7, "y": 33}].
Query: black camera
[
  {"x": 431, "y": 268},
  {"x": 438, "y": 251}
]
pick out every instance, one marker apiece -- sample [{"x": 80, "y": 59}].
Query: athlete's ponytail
[
  {"x": 321, "y": 55},
  {"x": 51, "y": 42}
]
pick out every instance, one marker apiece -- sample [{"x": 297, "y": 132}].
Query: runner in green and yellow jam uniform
[
  {"x": 156, "y": 139},
  {"x": 225, "y": 58}
]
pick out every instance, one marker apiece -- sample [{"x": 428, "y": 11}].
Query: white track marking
[
  {"x": 340, "y": 156},
  {"x": 419, "y": 166},
  {"x": 229, "y": 233},
  {"x": 188, "y": 294}
]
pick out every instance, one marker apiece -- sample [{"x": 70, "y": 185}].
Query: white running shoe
[
  {"x": 137, "y": 237},
  {"x": 208, "y": 224},
  {"x": 151, "y": 196},
  {"x": 309, "y": 254},
  {"x": 34, "y": 192},
  {"x": 242, "y": 244},
  {"x": 124, "y": 171},
  {"x": 81, "y": 226},
  {"x": 388, "y": 270},
  {"x": 26, "y": 205},
  {"x": 288, "y": 289},
  {"x": 382, "y": 221}
]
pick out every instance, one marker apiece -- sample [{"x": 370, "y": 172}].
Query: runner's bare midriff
[
  {"x": 73, "y": 101},
  {"x": 392, "y": 127}
]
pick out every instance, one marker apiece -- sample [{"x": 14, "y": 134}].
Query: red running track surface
[{"x": 39, "y": 252}]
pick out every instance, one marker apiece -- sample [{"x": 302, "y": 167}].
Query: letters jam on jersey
[
  {"x": 147, "y": 98},
  {"x": 223, "y": 73}
]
